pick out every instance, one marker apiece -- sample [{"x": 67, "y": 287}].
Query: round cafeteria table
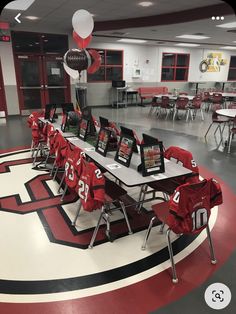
[{"x": 230, "y": 113}]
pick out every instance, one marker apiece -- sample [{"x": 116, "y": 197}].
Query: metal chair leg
[
  {"x": 148, "y": 233},
  {"x": 55, "y": 174},
  {"x": 97, "y": 227},
  {"x": 230, "y": 140},
  {"x": 174, "y": 275},
  {"x": 145, "y": 187},
  {"x": 64, "y": 192},
  {"x": 53, "y": 166},
  {"x": 62, "y": 180},
  {"x": 208, "y": 129},
  {"x": 162, "y": 227},
  {"x": 36, "y": 154},
  {"x": 213, "y": 259},
  {"x": 77, "y": 214},
  {"x": 126, "y": 217}
]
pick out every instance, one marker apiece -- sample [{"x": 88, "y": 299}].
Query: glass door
[
  {"x": 3, "y": 107},
  {"x": 57, "y": 83},
  {"x": 30, "y": 82}
]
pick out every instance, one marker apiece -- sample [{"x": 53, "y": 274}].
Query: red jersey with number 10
[
  {"x": 190, "y": 206},
  {"x": 91, "y": 186}
]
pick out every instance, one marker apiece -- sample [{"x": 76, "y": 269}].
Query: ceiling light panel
[
  {"x": 132, "y": 41},
  {"x": 192, "y": 37},
  {"x": 20, "y": 5},
  {"x": 228, "y": 47},
  {"x": 187, "y": 45},
  {"x": 145, "y": 3},
  {"x": 227, "y": 25}
]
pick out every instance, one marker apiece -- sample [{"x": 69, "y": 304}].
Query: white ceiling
[{"x": 55, "y": 17}]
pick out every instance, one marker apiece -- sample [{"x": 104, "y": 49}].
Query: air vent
[
  {"x": 160, "y": 42},
  {"x": 232, "y": 31}
]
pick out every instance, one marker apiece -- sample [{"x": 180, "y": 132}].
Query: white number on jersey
[
  {"x": 199, "y": 218},
  {"x": 176, "y": 197},
  {"x": 193, "y": 163},
  {"x": 83, "y": 190},
  {"x": 69, "y": 169},
  {"x": 98, "y": 174}
]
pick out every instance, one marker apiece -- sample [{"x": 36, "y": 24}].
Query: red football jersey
[
  {"x": 190, "y": 206},
  {"x": 91, "y": 186},
  {"x": 185, "y": 158},
  {"x": 60, "y": 146},
  {"x": 72, "y": 157}
]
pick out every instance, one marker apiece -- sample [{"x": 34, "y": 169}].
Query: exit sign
[{"x": 5, "y": 38}]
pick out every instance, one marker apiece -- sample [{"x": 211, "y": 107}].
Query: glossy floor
[{"x": 28, "y": 256}]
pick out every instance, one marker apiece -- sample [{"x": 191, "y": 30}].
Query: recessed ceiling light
[
  {"x": 192, "y": 36},
  {"x": 187, "y": 45},
  {"x": 20, "y": 5},
  {"x": 133, "y": 41},
  {"x": 145, "y": 3},
  {"x": 227, "y": 25},
  {"x": 32, "y": 18},
  {"x": 228, "y": 47}
]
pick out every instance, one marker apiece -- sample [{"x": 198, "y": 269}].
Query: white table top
[
  {"x": 230, "y": 113},
  {"x": 129, "y": 176},
  {"x": 173, "y": 97},
  {"x": 224, "y": 94}
]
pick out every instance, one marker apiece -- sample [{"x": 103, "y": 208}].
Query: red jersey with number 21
[{"x": 91, "y": 186}]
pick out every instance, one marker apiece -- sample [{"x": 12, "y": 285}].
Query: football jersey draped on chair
[
  {"x": 188, "y": 212},
  {"x": 96, "y": 192}
]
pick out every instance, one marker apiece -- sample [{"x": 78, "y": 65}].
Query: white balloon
[
  {"x": 73, "y": 73},
  {"x": 82, "y": 22}
]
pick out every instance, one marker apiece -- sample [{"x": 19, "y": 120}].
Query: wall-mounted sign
[{"x": 5, "y": 38}]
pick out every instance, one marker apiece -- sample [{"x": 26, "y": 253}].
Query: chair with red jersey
[
  {"x": 167, "y": 187},
  {"x": 182, "y": 103},
  {"x": 70, "y": 175},
  {"x": 60, "y": 147},
  {"x": 187, "y": 212},
  {"x": 96, "y": 192},
  {"x": 39, "y": 135}
]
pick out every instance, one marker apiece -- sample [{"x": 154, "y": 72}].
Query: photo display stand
[
  {"x": 103, "y": 141},
  {"x": 125, "y": 150},
  {"x": 83, "y": 129},
  {"x": 152, "y": 159},
  {"x": 52, "y": 113}
]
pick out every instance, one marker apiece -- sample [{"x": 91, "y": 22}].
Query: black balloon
[{"x": 76, "y": 59}]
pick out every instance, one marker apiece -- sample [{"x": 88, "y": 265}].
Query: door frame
[
  {"x": 4, "y": 103},
  {"x": 42, "y": 69}
]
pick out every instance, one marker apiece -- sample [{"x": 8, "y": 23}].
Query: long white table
[
  {"x": 129, "y": 176},
  {"x": 230, "y": 113}
]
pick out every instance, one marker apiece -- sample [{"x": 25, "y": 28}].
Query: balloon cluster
[{"x": 77, "y": 60}]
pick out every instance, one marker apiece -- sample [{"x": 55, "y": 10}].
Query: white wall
[{"x": 9, "y": 78}]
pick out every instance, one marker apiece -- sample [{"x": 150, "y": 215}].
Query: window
[
  {"x": 111, "y": 67},
  {"x": 232, "y": 69},
  {"x": 175, "y": 67},
  {"x": 24, "y": 42}
]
